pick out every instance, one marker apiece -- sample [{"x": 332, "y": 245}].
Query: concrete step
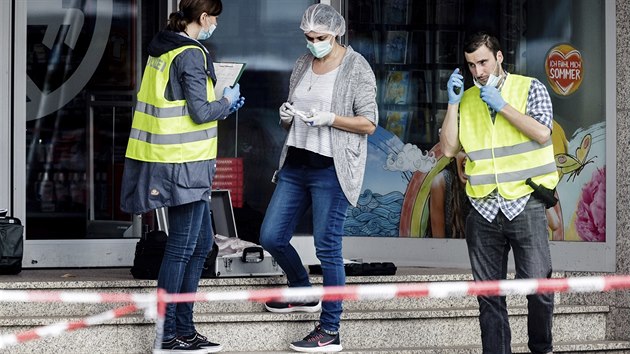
[
  {"x": 405, "y": 325},
  {"x": 587, "y": 347},
  {"x": 369, "y": 330},
  {"x": 127, "y": 285},
  {"x": 25, "y": 309}
]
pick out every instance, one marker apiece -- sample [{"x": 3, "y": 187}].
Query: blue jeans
[
  {"x": 190, "y": 238},
  {"x": 488, "y": 248},
  {"x": 297, "y": 189}
]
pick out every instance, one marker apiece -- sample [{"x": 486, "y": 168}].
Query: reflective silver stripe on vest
[
  {"x": 521, "y": 148},
  {"x": 167, "y": 139},
  {"x": 520, "y": 175},
  {"x": 170, "y": 112}
]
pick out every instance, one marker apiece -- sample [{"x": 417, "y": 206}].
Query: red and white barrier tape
[
  {"x": 348, "y": 292},
  {"x": 434, "y": 290},
  {"x": 59, "y": 328},
  {"x": 73, "y": 297},
  {"x": 160, "y": 318},
  {"x": 357, "y": 292}
]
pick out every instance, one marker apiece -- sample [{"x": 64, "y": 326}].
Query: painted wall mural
[{"x": 413, "y": 193}]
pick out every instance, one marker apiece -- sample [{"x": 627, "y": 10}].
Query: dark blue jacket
[{"x": 146, "y": 185}]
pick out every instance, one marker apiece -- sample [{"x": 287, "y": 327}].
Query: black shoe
[
  {"x": 318, "y": 341},
  {"x": 176, "y": 345},
  {"x": 286, "y": 307},
  {"x": 198, "y": 341}
]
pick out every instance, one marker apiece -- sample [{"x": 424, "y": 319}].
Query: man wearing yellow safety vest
[
  {"x": 503, "y": 123},
  {"x": 171, "y": 157}
]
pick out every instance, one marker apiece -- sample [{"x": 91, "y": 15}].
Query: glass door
[
  {"x": 82, "y": 72},
  {"x": 267, "y": 37},
  {"x": 84, "y": 65}
]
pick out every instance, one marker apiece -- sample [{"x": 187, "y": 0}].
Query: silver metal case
[{"x": 255, "y": 261}]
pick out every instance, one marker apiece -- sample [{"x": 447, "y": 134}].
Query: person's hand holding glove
[
  {"x": 286, "y": 113},
  {"x": 232, "y": 94},
  {"x": 319, "y": 118},
  {"x": 492, "y": 97},
  {"x": 455, "y": 82}
]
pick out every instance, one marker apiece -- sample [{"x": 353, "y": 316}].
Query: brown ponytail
[
  {"x": 190, "y": 11},
  {"x": 177, "y": 22}
]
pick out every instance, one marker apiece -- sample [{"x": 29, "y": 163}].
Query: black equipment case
[
  {"x": 254, "y": 261},
  {"x": 11, "y": 244}
]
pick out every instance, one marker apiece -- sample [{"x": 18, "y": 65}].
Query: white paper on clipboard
[{"x": 227, "y": 75}]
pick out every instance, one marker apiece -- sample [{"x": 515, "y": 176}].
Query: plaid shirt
[{"x": 538, "y": 107}]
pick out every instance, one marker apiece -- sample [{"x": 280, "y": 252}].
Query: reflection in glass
[{"x": 75, "y": 143}]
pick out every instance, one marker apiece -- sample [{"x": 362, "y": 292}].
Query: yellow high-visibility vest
[
  {"x": 162, "y": 130},
  {"x": 499, "y": 155}
]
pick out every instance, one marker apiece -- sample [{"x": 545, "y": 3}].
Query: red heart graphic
[{"x": 564, "y": 70}]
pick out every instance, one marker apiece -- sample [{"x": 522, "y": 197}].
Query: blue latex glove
[
  {"x": 318, "y": 118},
  {"x": 232, "y": 94},
  {"x": 239, "y": 103},
  {"x": 455, "y": 81},
  {"x": 492, "y": 97}
]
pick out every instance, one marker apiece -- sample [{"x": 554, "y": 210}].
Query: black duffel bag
[
  {"x": 11, "y": 245},
  {"x": 149, "y": 254}
]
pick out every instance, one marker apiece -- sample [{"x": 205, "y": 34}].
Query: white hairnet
[{"x": 323, "y": 18}]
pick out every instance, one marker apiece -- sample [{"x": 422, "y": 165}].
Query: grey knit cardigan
[{"x": 354, "y": 94}]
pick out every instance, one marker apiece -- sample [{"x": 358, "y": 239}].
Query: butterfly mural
[{"x": 573, "y": 165}]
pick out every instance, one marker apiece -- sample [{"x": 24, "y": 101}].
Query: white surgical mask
[
  {"x": 205, "y": 34},
  {"x": 319, "y": 49},
  {"x": 493, "y": 80}
]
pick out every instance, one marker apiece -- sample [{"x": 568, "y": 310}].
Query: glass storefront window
[
  {"x": 414, "y": 46},
  {"x": 267, "y": 37},
  {"x": 82, "y": 60},
  {"x": 84, "y": 65}
]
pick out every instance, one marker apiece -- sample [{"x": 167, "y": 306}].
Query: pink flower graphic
[{"x": 590, "y": 220}]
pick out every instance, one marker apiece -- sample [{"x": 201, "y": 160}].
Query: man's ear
[{"x": 499, "y": 57}]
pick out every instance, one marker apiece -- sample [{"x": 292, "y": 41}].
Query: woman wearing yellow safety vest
[
  {"x": 504, "y": 126},
  {"x": 171, "y": 157}
]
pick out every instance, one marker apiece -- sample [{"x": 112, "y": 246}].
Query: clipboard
[{"x": 227, "y": 74}]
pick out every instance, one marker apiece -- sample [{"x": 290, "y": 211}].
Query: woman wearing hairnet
[{"x": 329, "y": 113}]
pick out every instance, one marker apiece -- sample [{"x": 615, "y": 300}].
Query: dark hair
[
  {"x": 476, "y": 40},
  {"x": 190, "y": 11},
  {"x": 458, "y": 201}
]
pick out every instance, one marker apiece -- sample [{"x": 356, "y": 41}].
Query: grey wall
[
  {"x": 620, "y": 324},
  {"x": 619, "y": 301}
]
